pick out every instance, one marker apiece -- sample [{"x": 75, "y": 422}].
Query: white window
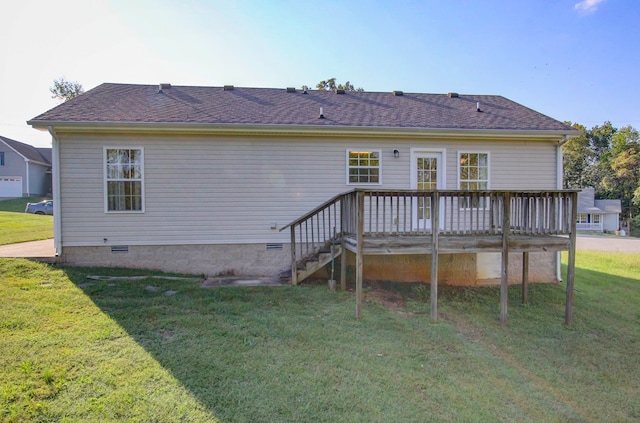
[
  {"x": 595, "y": 218},
  {"x": 582, "y": 218},
  {"x": 473, "y": 175},
  {"x": 363, "y": 167},
  {"x": 124, "y": 179}
]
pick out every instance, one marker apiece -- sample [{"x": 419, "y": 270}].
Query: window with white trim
[
  {"x": 595, "y": 218},
  {"x": 582, "y": 218},
  {"x": 473, "y": 175},
  {"x": 1, "y": 158},
  {"x": 124, "y": 179},
  {"x": 363, "y": 167}
]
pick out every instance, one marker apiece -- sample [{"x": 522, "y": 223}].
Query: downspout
[
  {"x": 559, "y": 186},
  {"x": 26, "y": 163},
  {"x": 55, "y": 188}
]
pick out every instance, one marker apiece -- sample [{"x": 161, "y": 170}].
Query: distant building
[
  {"x": 597, "y": 215},
  {"x": 25, "y": 170}
]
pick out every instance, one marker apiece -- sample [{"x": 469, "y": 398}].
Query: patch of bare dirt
[{"x": 385, "y": 297}]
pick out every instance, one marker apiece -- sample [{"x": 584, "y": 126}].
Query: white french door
[{"x": 427, "y": 173}]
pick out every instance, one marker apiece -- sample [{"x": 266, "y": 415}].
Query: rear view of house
[{"x": 203, "y": 179}]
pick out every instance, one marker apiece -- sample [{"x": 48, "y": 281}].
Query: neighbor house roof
[
  {"x": 27, "y": 151},
  {"x": 588, "y": 204},
  {"x": 148, "y": 104}
]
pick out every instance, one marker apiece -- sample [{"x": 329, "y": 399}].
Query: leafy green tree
[
  {"x": 330, "y": 85},
  {"x": 600, "y": 141},
  {"x": 577, "y": 158},
  {"x": 607, "y": 159},
  {"x": 65, "y": 90}
]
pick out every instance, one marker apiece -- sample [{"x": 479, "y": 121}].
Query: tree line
[{"x": 607, "y": 159}]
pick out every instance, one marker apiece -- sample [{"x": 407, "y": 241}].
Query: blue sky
[{"x": 570, "y": 59}]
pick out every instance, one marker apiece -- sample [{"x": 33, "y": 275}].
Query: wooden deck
[
  {"x": 454, "y": 244},
  {"x": 375, "y": 222}
]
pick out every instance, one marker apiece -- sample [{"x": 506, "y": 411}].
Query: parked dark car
[{"x": 43, "y": 207}]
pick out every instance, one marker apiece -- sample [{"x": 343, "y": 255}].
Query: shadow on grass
[{"x": 298, "y": 354}]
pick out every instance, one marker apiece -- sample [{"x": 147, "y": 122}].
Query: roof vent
[
  {"x": 338, "y": 91},
  {"x": 321, "y": 114},
  {"x": 164, "y": 86},
  {"x": 228, "y": 88},
  {"x": 291, "y": 89},
  {"x": 453, "y": 95},
  {"x": 398, "y": 93},
  {"x": 478, "y": 107}
]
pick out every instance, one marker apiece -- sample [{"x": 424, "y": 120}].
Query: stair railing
[{"x": 320, "y": 228}]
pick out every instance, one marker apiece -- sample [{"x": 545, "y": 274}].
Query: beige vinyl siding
[{"x": 210, "y": 190}]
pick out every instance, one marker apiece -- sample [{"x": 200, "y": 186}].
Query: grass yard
[
  {"x": 18, "y": 226},
  {"x": 77, "y": 350}
]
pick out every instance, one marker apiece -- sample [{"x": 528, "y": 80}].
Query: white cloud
[{"x": 587, "y": 6}]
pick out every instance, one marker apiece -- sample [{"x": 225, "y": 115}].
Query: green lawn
[
  {"x": 76, "y": 350},
  {"x": 18, "y": 226}
]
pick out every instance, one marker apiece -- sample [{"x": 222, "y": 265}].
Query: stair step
[{"x": 316, "y": 263}]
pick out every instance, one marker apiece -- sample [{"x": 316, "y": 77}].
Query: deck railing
[
  {"x": 388, "y": 213},
  {"x": 415, "y": 213}
]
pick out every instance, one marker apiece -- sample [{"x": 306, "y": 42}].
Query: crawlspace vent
[
  {"x": 274, "y": 247},
  {"x": 120, "y": 249}
]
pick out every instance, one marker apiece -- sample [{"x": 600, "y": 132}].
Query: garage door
[{"x": 10, "y": 186}]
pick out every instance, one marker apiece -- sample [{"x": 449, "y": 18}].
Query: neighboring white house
[
  {"x": 201, "y": 179},
  {"x": 24, "y": 170},
  {"x": 597, "y": 215}
]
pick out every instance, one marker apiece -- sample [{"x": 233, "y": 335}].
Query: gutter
[
  {"x": 55, "y": 182},
  {"x": 26, "y": 163},
  {"x": 292, "y": 130}
]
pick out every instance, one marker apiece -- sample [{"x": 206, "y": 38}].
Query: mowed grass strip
[
  {"x": 18, "y": 226},
  {"x": 161, "y": 350}
]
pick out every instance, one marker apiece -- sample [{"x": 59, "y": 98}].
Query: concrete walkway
[
  {"x": 45, "y": 249},
  {"x": 32, "y": 249}
]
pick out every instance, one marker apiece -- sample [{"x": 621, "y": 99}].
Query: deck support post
[
  {"x": 359, "y": 251},
  {"x": 343, "y": 268},
  {"x": 435, "y": 229},
  {"x": 571, "y": 260},
  {"x": 525, "y": 277},
  {"x": 294, "y": 266},
  {"x": 504, "y": 280}
]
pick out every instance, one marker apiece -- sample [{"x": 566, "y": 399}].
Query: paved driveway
[{"x": 608, "y": 243}]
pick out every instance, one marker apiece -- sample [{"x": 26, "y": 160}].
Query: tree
[
  {"x": 607, "y": 159},
  {"x": 65, "y": 90},
  {"x": 577, "y": 158},
  {"x": 330, "y": 85},
  {"x": 624, "y": 181}
]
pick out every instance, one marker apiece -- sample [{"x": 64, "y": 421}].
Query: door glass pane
[{"x": 427, "y": 178}]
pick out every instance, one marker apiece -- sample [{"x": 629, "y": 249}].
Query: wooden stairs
[{"x": 316, "y": 262}]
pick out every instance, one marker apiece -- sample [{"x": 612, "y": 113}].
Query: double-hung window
[
  {"x": 473, "y": 175},
  {"x": 363, "y": 167},
  {"x": 124, "y": 179},
  {"x": 1, "y": 158}
]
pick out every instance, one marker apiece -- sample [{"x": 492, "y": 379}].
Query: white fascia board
[{"x": 308, "y": 130}]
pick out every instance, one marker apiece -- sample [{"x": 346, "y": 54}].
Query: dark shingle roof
[
  {"x": 128, "y": 103},
  {"x": 28, "y": 151}
]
